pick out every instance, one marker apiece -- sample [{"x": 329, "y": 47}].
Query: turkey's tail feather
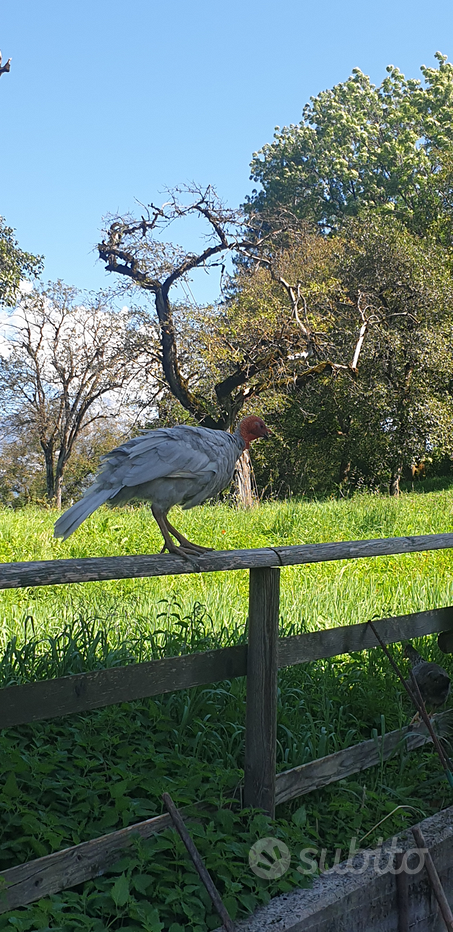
[{"x": 74, "y": 516}]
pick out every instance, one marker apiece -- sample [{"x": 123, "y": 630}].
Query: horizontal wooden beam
[
  {"x": 301, "y": 648},
  {"x": 47, "y": 699},
  {"x": 318, "y": 773},
  {"x": 63, "y": 869},
  {"x": 89, "y": 569}
]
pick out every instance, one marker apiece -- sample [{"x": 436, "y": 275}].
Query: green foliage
[
  {"x": 351, "y": 431},
  {"x": 67, "y": 780},
  {"x": 359, "y": 146},
  {"x": 15, "y": 265}
]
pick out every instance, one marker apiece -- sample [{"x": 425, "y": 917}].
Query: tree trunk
[
  {"x": 50, "y": 473},
  {"x": 57, "y": 492},
  {"x": 394, "y": 487},
  {"x": 344, "y": 470},
  {"x": 246, "y": 491}
]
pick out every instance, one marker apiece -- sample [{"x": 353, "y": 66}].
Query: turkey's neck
[{"x": 242, "y": 443}]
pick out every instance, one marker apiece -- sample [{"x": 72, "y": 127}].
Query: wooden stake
[
  {"x": 434, "y": 878},
  {"x": 262, "y": 669},
  {"x": 416, "y": 698},
  {"x": 198, "y": 862}
]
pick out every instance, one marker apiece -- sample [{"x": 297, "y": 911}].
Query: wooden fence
[{"x": 259, "y": 660}]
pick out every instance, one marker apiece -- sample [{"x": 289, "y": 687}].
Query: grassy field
[
  {"x": 72, "y": 779},
  {"x": 311, "y": 596}
]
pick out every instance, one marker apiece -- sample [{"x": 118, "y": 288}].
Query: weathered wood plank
[
  {"x": 63, "y": 869},
  {"x": 54, "y": 698},
  {"x": 261, "y": 709},
  {"x": 301, "y": 648},
  {"x": 65, "y": 695},
  {"x": 318, "y": 773},
  {"x": 89, "y": 569}
]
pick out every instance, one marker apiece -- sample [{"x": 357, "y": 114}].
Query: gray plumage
[
  {"x": 433, "y": 681},
  {"x": 168, "y": 466}
]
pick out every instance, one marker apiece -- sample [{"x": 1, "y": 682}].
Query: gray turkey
[
  {"x": 168, "y": 466},
  {"x": 433, "y": 681}
]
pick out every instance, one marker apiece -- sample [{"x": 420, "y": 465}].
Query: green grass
[
  {"x": 69, "y": 780},
  {"x": 314, "y": 596}
]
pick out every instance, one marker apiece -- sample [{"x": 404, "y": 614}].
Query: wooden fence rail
[
  {"x": 94, "y": 569},
  {"x": 259, "y": 660},
  {"x": 80, "y": 692}
]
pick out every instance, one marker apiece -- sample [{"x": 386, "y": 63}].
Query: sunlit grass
[{"x": 312, "y": 596}]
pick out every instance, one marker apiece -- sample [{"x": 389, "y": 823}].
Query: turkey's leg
[
  {"x": 166, "y": 529},
  {"x": 186, "y": 544}
]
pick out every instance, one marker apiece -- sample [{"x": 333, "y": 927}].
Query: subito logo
[{"x": 269, "y": 858}]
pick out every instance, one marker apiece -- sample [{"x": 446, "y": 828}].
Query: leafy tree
[
  {"x": 373, "y": 168},
  {"x": 360, "y": 146},
  {"x": 15, "y": 265},
  {"x": 400, "y": 406},
  {"x": 406, "y": 363},
  {"x": 22, "y": 477},
  {"x": 70, "y": 362}
]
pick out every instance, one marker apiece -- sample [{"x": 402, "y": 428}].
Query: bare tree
[
  {"x": 67, "y": 362},
  {"x": 131, "y": 248}
]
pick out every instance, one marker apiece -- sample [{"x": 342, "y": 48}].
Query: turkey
[
  {"x": 168, "y": 466},
  {"x": 433, "y": 682}
]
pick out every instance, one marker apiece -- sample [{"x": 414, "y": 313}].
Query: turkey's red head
[{"x": 251, "y": 428}]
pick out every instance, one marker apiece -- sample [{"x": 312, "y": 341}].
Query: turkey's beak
[{"x": 268, "y": 433}]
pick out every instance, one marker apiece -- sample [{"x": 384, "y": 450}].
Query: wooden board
[
  {"x": 315, "y": 645},
  {"x": 318, "y": 773},
  {"x": 47, "y": 699},
  {"x": 52, "y": 698},
  {"x": 63, "y": 869},
  {"x": 89, "y": 569}
]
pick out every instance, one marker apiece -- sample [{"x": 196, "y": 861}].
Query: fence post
[{"x": 261, "y": 710}]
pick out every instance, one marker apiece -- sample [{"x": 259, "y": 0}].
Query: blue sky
[{"x": 107, "y": 101}]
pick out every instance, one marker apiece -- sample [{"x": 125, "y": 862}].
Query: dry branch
[
  {"x": 438, "y": 889},
  {"x": 4, "y": 68}
]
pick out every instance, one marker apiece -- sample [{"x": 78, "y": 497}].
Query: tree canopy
[
  {"x": 336, "y": 322},
  {"x": 369, "y": 426},
  {"x": 360, "y": 146}
]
